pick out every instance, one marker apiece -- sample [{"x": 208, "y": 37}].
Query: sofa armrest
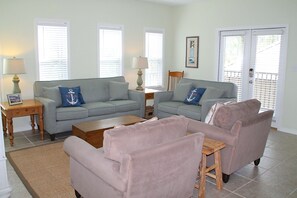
[
  {"x": 139, "y": 97},
  {"x": 207, "y": 104},
  {"x": 212, "y": 132},
  {"x": 93, "y": 160},
  {"x": 161, "y": 97},
  {"x": 49, "y": 115}
]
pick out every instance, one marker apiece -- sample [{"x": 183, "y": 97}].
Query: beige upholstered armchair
[
  {"x": 244, "y": 131},
  {"x": 154, "y": 159}
]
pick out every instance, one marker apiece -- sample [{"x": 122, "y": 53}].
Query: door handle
[{"x": 251, "y": 72}]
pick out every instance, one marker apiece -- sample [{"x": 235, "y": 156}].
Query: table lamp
[
  {"x": 139, "y": 63},
  {"x": 14, "y": 66}
]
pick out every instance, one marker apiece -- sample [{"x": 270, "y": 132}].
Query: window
[
  {"x": 110, "y": 51},
  {"x": 154, "y": 53},
  {"x": 52, "y": 41}
]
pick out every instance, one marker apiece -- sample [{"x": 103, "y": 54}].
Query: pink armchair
[
  {"x": 154, "y": 159},
  {"x": 244, "y": 131}
]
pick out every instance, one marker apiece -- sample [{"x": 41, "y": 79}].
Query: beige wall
[
  {"x": 204, "y": 17},
  {"x": 17, "y": 34}
]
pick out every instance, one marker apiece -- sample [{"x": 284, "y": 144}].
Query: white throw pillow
[{"x": 209, "y": 117}]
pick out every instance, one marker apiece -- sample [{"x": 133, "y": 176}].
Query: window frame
[
  {"x": 52, "y": 22},
  {"x": 110, "y": 27},
  {"x": 160, "y": 31}
]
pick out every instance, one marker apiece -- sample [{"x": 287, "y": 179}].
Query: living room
[{"x": 197, "y": 18}]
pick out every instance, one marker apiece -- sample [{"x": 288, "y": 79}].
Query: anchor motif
[
  {"x": 73, "y": 97},
  {"x": 192, "y": 96}
]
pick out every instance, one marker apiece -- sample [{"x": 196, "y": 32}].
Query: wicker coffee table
[{"x": 92, "y": 131}]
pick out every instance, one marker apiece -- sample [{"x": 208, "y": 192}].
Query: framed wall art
[
  {"x": 192, "y": 51},
  {"x": 14, "y": 99}
]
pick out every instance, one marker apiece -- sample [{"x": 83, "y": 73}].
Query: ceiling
[{"x": 170, "y": 2}]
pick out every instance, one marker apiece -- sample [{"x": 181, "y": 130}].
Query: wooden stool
[{"x": 210, "y": 146}]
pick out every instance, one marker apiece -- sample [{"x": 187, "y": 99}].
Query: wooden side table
[
  {"x": 27, "y": 108},
  {"x": 149, "y": 94},
  {"x": 210, "y": 146}
]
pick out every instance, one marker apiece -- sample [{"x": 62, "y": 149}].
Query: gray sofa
[
  {"x": 103, "y": 97},
  {"x": 170, "y": 103}
]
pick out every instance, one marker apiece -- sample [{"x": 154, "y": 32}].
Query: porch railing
[{"x": 265, "y": 87}]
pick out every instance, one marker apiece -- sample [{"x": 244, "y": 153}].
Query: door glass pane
[
  {"x": 267, "y": 61},
  {"x": 232, "y": 55}
]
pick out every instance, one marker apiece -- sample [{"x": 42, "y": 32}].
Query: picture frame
[
  {"x": 14, "y": 99},
  {"x": 192, "y": 51}
]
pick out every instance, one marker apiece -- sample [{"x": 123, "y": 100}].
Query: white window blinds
[
  {"x": 52, "y": 50},
  {"x": 154, "y": 53},
  {"x": 110, "y": 51}
]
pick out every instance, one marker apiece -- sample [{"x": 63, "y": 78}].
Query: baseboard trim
[
  {"x": 287, "y": 130},
  {"x": 5, "y": 192},
  {"x": 5, "y": 188}
]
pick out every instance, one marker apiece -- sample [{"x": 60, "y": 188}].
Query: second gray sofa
[
  {"x": 170, "y": 103},
  {"x": 103, "y": 98}
]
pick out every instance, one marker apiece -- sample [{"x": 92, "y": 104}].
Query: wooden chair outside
[{"x": 173, "y": 78}]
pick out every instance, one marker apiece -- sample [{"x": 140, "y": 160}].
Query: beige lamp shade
[
  {"x": 13, "y": 66},
  {"x": 140, "y": 63}
]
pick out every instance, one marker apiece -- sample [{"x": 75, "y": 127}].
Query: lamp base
[
  {"x": 16, "y": 87},
  {"x": 139, "y": 80},
  {"x": 139, "y": 88}
]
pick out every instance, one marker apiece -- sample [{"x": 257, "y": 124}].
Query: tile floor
[{"x": 275, "y": 177}]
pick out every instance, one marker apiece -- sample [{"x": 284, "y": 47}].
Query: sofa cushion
[
  {"x": 53, "y": 93},
  {"x": 99, "y": 108},
  {"x": 190, "y": 111},
  {"x": 169, "y": 107},
  {"x": 118, "y": 90},
  {"x": 71, "y": 96},
  {"x": 211, "y": 93},
  {"x": 125, "y": 105},
  {"x": 227, "y": 115},
  {"x": 70, "y": 113},
  {"x": 119, "y": 141},
  {"x": 181, "y": 91},
  {"x": 194, "y": 95}
]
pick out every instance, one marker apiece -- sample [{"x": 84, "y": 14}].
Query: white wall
[
  {"x": 17, "y": 35},
  {"x": 201, "y": 18},
  {"x": 204, "y": 17}
]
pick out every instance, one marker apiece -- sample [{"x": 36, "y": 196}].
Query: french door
[{"x": 253, "y": 60}]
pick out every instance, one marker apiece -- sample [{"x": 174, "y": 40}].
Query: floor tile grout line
[
  {"x": 292, "y": 192},
  {"x": 242, "y": 186}
]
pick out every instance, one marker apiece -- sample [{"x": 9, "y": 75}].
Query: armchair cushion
[
  {"x": 226, "y": 116},
  {"x": 143, "y": 136}
]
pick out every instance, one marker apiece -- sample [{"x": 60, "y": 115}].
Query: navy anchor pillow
[
  {"x": 194, "y": 95},
  {"x": 71, "y": 96}
]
